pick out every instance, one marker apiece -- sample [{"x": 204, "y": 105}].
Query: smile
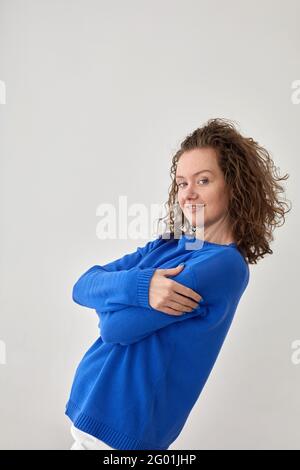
[{"x": 194, "y": 207}]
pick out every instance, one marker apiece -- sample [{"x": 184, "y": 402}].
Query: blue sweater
[{"x": 138, "y": 382}]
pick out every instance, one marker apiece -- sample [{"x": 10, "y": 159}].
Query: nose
[{"x": 191, "y": 195}]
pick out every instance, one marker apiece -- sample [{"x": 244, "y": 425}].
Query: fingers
[
  {"x": 180, "y": 307},
  {"x": 170, "y": 311},
  {"x": 171, "y": 271},
  {"x": 184, "y": 301},
  {"x": 183, "y": 290}
]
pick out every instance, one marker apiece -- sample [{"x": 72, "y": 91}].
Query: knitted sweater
[{"x": 138, "y": 382}]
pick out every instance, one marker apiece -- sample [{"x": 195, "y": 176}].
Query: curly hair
[{"x": 255, "y": 207}]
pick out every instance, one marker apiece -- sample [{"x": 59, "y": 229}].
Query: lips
[{"x": 194, "y": 207}]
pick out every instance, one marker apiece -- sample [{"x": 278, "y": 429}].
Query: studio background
[{"x": 98, "y": 97}]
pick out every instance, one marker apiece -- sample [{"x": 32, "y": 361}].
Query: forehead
[{"x": 196, "y": 160}]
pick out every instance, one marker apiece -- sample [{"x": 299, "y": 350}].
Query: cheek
[
  {"x": 180, "y": 199},
  {"x": 215, "y": 198},
  {"x": 217, "y": 202}
]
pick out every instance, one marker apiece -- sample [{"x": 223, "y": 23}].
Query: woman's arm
[
  {"x": 220, "y": 279},
  {"x": 117, "y": 284},
  {"x": 133, "y": 324}
]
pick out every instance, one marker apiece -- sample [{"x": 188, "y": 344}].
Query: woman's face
[{"x": 201, "y": 181}]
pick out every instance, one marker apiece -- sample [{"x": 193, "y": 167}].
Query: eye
[{"x": 205, "y": 180}]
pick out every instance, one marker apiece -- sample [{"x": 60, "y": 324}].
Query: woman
[{"x": 163, "y": 324}]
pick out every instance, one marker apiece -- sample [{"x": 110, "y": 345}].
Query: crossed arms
[{"x": 118, "y": 291}]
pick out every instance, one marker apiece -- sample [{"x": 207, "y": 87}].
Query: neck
[{"x": 218, "y": 232}]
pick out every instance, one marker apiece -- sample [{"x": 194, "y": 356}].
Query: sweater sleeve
[
  {"x": 219, "y": 279},
  {"x": 117, "y": 284}
]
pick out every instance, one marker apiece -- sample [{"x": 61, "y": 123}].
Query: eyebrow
[{"x": 202, "y": 171}]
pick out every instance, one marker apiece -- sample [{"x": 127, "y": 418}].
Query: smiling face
[{"x": 201, "y": 181}]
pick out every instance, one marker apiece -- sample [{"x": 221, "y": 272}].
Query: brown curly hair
[{"x": 255, "y": 206}]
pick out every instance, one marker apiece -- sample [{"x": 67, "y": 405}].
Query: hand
[{"x": 170, "y": 296}]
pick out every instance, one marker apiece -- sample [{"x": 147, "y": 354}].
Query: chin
[{"x": 192, "y": 218}]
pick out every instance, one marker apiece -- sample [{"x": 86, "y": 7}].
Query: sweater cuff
[{"x": 143, "y": 283}]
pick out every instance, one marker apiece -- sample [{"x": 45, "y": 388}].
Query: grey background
[{"x": 99, "y": 96}]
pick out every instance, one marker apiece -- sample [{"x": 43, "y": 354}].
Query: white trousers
[{"x": 84, "y": 441}]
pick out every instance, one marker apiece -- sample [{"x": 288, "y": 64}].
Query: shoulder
[
  {"x": 221, "y": 271},
  {"x": 224, "y": 259}
]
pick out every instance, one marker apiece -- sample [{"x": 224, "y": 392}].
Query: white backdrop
[{"x": 98, "y": 97}]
